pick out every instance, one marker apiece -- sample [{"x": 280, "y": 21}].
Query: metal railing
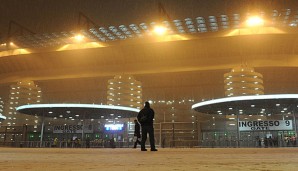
[
  {"x": 66, "y": 144},
  {"x": 166, "y": 144}
]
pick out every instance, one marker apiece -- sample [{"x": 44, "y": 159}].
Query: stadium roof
[
  {"x": 21, "y": 37},
  {"x": 206, "y": 41}
]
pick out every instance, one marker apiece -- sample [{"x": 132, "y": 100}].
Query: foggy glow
[
  {"x": 14, "y": 52},
  {"x": 168, "y": 38},
  {"x": 79, "y": 38},
  {"x": 252, "y": 31},
  {"x": 254, "y": 21},
  {"x": 159, "y": 30},
  {"x": 81, "y": 46}
]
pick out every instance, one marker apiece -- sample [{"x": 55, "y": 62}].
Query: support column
[
  {"x": 24, "y": 133},
  {"x": 283, "y": 134},
  {"x": 295, "y": 125},
  {"x": 127, "y": 132},
  {"x": 5, "y": 134},
  {"x": 160, "y": 127},
  {"x": 199, "y": 132},
  {"x": 238, "y": 132},
  {"x": 173, "y": 135},
  {"x": 83, "y": 126},
  {"x": 42, "y": 128}
]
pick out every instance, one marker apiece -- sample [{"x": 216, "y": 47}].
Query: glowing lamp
[
  {"x": 79, "y": 38},
  {"x": 254, "y": 21},
  {"x": 159, "y": 30}
]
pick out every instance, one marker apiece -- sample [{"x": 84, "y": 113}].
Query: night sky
[{"x": 47, "y": 16}]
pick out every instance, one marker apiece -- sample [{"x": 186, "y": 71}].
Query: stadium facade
[{"x": 185, "y": 66}]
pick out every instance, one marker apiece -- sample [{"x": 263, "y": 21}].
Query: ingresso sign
[
  {"x": 72, "y": 128},
  {"x": 266, "y": 125}
]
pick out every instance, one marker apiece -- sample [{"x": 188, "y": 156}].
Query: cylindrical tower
[
  {"x": 243, "y": 81},
  {"x": 22, "y": 93},
  {"x": 124, "y": 90},
  {"x": 2, "y": 117}
]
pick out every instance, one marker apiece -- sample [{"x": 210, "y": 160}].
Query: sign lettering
[
  {"x": 72, "y": 128},
  {"x": 265, "y": 125}
]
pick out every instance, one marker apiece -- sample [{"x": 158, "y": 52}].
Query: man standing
[
  {"x": 87, "y": 142},
  {"x": 137, "y": 134},
  {"x": 145, "y": 118}
]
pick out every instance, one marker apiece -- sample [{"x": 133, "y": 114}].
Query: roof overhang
[
  {"x": 261, "y": 104},
  {"x": 78, "y": 111}
]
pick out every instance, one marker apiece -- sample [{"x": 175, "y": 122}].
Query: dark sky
[{"x": 42, "y": 16}]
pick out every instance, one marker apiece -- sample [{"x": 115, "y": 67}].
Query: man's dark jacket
[{"x": 147, "y": 111}]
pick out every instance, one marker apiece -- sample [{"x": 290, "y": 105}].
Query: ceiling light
[
  {"x": 79, "y": 37},
  {"x": 159, "y": 30},
  {"x": 254, "y": 21}
]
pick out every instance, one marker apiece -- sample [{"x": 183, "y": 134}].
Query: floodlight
[
  {"x": 79, "y": 37},
  {"x": 254, "y": 21},
  {"x": 159, "y": 30}
]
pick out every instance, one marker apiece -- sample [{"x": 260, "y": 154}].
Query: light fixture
[
  {"x": 254, "y": 21},
  {"x": 159, "y": 30},
  {"x": 79, "y": 37}
]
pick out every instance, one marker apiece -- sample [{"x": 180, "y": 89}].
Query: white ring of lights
[
  {"x": 2, "y": 117},
  {"x": 88, "y": 106},
  {"x": 243, "y": 98}
]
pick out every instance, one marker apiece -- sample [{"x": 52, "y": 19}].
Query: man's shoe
[
  {"x": 143, "y": 149},
  {"x": 154, "y": 150}
]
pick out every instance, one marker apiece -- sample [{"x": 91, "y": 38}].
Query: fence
[{"x": 167, "y": 135}]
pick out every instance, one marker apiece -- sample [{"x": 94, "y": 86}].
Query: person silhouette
[
  {"x": 87, "y": 142},
  {"x": 145, "y": 118},
  {"x": 137, "y": 134}
]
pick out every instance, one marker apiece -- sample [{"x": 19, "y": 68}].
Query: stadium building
[{"x": 210, "y": 75}]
